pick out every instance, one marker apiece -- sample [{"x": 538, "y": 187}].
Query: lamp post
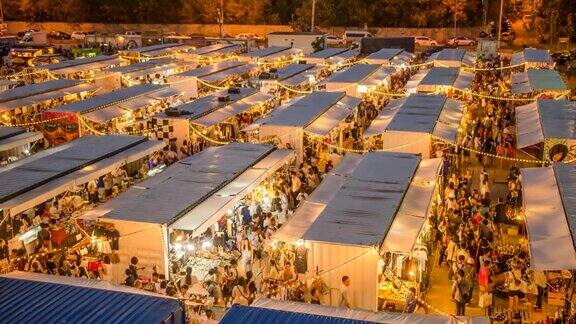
[
  {"x": 221, "y": 18},
  {"x": 313, "y": 15},
  {"x": 500, "y": 22}
]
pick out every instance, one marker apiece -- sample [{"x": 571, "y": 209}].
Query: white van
[{"x": 354, "y": 36}]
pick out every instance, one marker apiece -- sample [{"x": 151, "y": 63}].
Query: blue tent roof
[
  {"x": 32, "y": 298},
  {"x": 245, "y": 314}
]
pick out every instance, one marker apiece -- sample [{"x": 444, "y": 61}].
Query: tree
[{"x": 458, "y": 9}]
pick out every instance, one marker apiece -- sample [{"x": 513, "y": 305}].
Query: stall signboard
[
  {"x": 559, "y": 150},
  {"x": 60, "y": 127}
]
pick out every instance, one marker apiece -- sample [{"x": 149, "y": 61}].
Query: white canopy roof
[
  {"x": 537, "y": 80},
  {"x": 256, "y": 55},
  {"x": 434, "y": 114},
  {"x": 363, "y": 209},
  {"x": 12, "y": 137},
  {"x": 354, "y": 74},
  {"x": 81, "y": 65},
  {"x": 390, "y": 56},
  {"x": 445, "y": 77},
  {"x": 224, "y": 113},
  {"x": 235, "y": 71},
  {"x": 52, "y": 95},
  {"x": 545, "y": 118},
  {"x": 452, "y": 57},
  {"x": 548, "y": 198},
  {"x": 532, "y": 56},
  {"x": 44, "y": 175},
  {"x": 187, "y": 185},
  {"x": 333, "y": 116},
  {"x": 301, "y": 113}
]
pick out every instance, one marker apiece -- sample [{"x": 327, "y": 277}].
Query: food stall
[
  {"x": 124, "y": 110},
  {"x": 173, "y": 217},
  {"x": 452, "y": 57},
  {"x": 386, "y": 213},
  {"x": 261, "y": 55},
  {"x": 440, "y": 79},
  {"x": 316, "y": 117},
  {"x": 153, "y": 71},
  {"x": 545, "y": 129},
  {"x": 531, "y": 58},
  {"x": 84, "y": 67},
  {"x": 218, "y": 117},
  {"x": 418, "y": 124},
  {"x": 211, "y": 53},
  {"x": 144, "y": 53}
]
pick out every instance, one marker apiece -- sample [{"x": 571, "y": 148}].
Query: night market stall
[
  {"x": 390, "y": 56},
  {"x": 440, "y": 79},
  {"x": 545, "y": 129},
  {"x": 261, "y": 55},
  {"x": 541, "y": 83},
  {"x": 74, "y": 300},
  {"x": 358, "y": 79},
  {"x": 17, "y": 143},
  {"x": 531, "y": 58},
  {"x": 452, "y": 57},
  {"x": 153, "y": 71},
  {"x": 82, "y": 68},
  {"x": 417, "y": 124},
  {"x": 44, "y": 192},
  {"x": 21, "y": 105},
  {"x": 191, "y": 84},
  {"x": 154, "y": 51},
  {"x": 212, "y": 119},
  {"x": 387, "y": 237},
  {"x": 124, "y": 110},
  {"x": 212, "y": 53},
  {"x": 271, "y": 311},
  {"x": 186, "y": 213},
  {"x": 294, "y": 76},
  {"x": 305, "y": 123},
  {"x": 549, "y": 211}
]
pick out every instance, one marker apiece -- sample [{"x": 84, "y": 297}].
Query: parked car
[
  {"x": 425, "y": 41},
  {"x": 58, "y": 35},
  {"x": 132, "y": 33},
  {"x": 508, "y": 36},
  {"x": 354, "y": 36},
  {"x": 81, "y": 35},
  {"x": 461, "y": 41},
  {"x": 334, "y": 40}
]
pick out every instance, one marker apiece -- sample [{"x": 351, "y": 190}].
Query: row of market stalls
[
  {"x": 62, "y": 172},
  {"x": 218, "y": 116},
  {"x": 332, "y": 56},
  {"x": 154, "y": 51},
  {"x": 538, "y": 82},
  {"x": 17, "y": 105},
  {"x": 111, "y": 112},
  {"x": 76, "y": 300},
  {"x": 82, "y": 68},
  {"x": 390, "y": 57},
  {"x": 545, "y": 129},
  {"x": 212, "y": 53},
  {"x": 270, "y": 54},
  {"x": 366, "y": 221},
  {"x": 295, "y": 76},
  {"x": 319, "y": 114},
  {"x": 531, "y": 58},
  {"x": 269, "y": 311},
  {"x": 16, "y": 142},
  {"x": 176, "y": 213},
  {"x": 416, "y": 124},
  {"x": 151, "y": 71}
]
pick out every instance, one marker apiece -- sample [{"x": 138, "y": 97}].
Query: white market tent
[
  {"x": 452, "y": 57},
  {"x": 359, "y": 209},
  {"x": 356, "y": 79},
  {"x": 546, "y": 121},
  {"x": 38, "y": 93},
  {"x": 317, "y": 113},
  {"x": 263, "y": 54},
  {"x": 43, "y": 176},
  {"x": 15, "y": 140},
  {"x": 390, "y": 56},
  {"x": 269, "y": 311},
  {"x": 537, "y": 80},
  {"x": 439, "y": 79},
  {"x": 291, "y": 75},
  {"x": 410, "y": 124},
  {"x": 206, "y": 112},
  {"x": 531, "y": 57},
  {"x": 550, "y": 211},
  {"x": 103, "y": 108},
  {"x": 6, "y": 84},
  {"x": 222, "y": 76},
  {"x": 210, "y": 51},
  {"x": 187, "y": 82},
  {"x": 130, "y": 73},
  {"x": 192, "y": 194},
  {"x": 71, "y": 67}
]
